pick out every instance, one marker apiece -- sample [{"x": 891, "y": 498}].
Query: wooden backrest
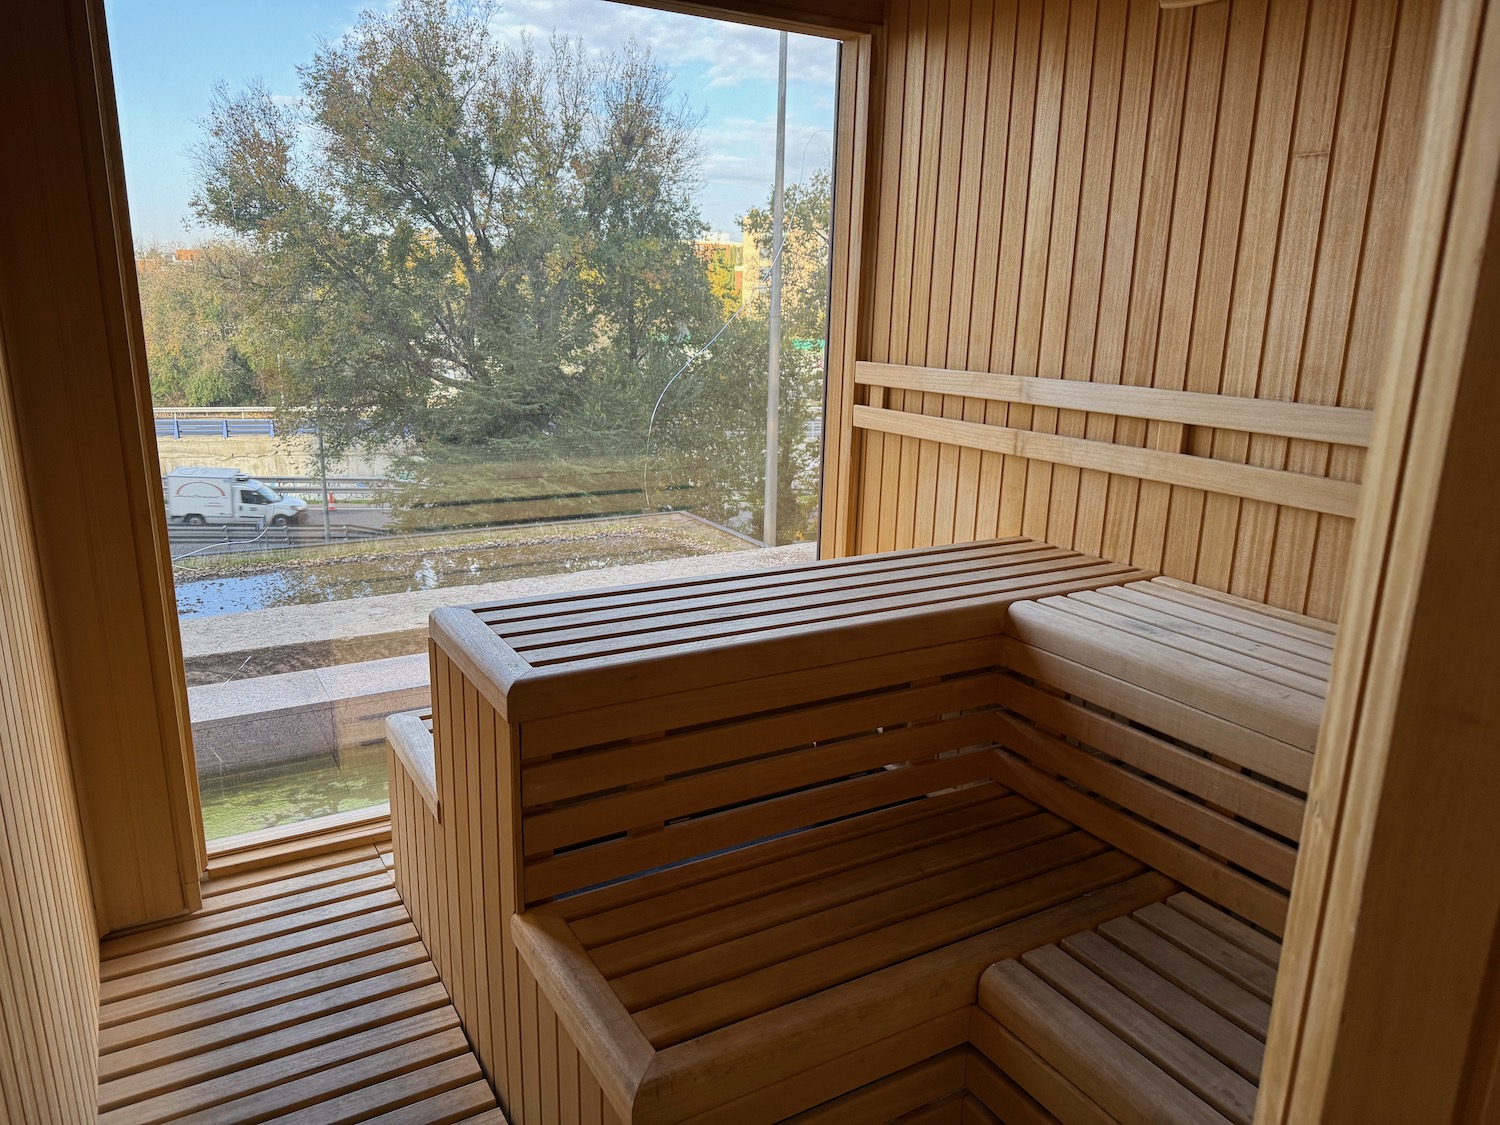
[
  {"x": 854, "y": 741},
  {"x": 1175, "y": 724},
  {"x": 1168, "y": 460}
]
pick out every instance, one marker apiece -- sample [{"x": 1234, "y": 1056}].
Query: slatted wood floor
[{"x": 300, "y": 993}]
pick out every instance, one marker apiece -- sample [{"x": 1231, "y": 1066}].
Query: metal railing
[
  {"x": 341, "y": 488},
  {"x": 235, "y": 538},
  {"x": 215, "y": 427}
]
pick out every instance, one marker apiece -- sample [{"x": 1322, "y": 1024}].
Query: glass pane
[{"x": 447, "y": 303}]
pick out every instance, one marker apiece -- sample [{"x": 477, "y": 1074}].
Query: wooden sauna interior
[{"x": 1204, "y": 293}]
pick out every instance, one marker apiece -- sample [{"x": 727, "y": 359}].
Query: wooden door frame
[
  {"x": 841, "y": 445},
  {"x": 71, "y": 329},
  {"x": 1385, "y": 1003}
]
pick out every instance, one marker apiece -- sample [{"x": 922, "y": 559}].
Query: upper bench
[{"x": 554, "y": 654}]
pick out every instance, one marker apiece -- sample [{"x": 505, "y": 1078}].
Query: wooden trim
[
  {"x": 410, "y": 740},
  {"x": 273, "y": 846},
  {"x": 74, "y": 349},
  {"x": 605, "y": 1033},
  {"x": 840, "y": 442},
  {"x": 1337, "y": 424},
  {"x": 1273, "y": 486},
  {"x": 1390, "y": 941},
  {"x": 492, "y": 667},
  {"x": 828, "y": 18}
]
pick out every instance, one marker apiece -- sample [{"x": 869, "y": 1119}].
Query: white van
[{"x": 199, "y": 496}]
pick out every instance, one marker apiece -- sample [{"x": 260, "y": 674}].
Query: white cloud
[
  {"x": 726, "y": 68},
  {"x": 729, "y": 52}
]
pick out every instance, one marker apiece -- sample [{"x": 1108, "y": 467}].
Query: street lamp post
[{"x": 773, "y": 380}]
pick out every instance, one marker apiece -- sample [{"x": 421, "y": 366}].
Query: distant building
[{"x": 725, "y": 258}]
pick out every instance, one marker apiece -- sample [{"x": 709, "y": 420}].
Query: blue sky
[{"x": 168, "y": 54}]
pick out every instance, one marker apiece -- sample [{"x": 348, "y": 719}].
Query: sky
[{"x": 168, "y": 55}]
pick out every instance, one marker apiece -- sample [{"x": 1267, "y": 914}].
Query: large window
[{"x": 446, "y": 301}]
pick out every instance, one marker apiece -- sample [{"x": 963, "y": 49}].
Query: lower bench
[
  {"x": 1156, "y": 1017},
  {"x": 741, "y": 988}
]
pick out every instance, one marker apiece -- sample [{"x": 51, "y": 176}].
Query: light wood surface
[
  {"x": 882, "y": 687},
  {"x": 1386, "y": 1005},
  {"x": 1132, "y": 1021},
  {"x": 1143, "y": 203},
  {"x": 49, "y": 983},
  {"x": 1122, "y": 731},
  {"x": 1316, "y": 494},
  {"x": 300, "y": 992},
  {"x": 537, "y": 657},
  {"x": 1337, "y": 425},
  {"x": 78, "y": 383}
]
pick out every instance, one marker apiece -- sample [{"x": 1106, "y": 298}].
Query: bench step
[
  {"x": 681, "y": 986},
  {"x": 1160, "y": 1016},
  {"x": 1254, "y": 669}
]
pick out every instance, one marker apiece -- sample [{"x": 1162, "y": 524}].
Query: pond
[
  {"x": 235, "y": 584},
  {"x": 248, "y": 800}
]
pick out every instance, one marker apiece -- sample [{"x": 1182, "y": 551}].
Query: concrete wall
[{"x": 295, "y": 456}]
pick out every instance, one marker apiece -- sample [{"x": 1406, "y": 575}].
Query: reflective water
[{"x": 278, "y": 580}]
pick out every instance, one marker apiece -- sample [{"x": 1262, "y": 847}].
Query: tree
[
  {"x": 712, "y": 427},
  {"x": 458, "y": 242},
  {"x": 194, "y": 325}
]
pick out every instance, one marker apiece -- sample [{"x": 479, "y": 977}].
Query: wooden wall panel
[
  {"x": 49, "y": 957},
  {"x": 447, "y": 868},
  {"x": 70, "y": 319},
  {"x": 1208, "y": 198}
]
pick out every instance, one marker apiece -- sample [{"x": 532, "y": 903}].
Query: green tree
[
  {"x": 194, "y": 324},
  {"x": 459, "y": 242},
  {"x": 711, "y": 430}
]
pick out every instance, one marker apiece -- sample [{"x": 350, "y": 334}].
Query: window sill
[{"x": 296, "y": 841}]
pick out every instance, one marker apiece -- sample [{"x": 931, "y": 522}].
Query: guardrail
[
  {"x": 340, "y": 487},
  {"x": 219, "y": 539},
  {"x": 215, "y": 427}
]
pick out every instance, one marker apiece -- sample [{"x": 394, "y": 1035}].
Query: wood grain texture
[
  {"x": 1200, "y": 201},
  {"x": 1173, "y": 724},
  {"x": 339, "y": 1021},
  {"x": 1120, "y": 1023},
  {"x": 49, "y": 980},
  {"x": 79, "y": 390},
  {"x": 1416, "y": 668}
]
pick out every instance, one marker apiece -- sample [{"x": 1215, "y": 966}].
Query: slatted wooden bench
[
  {"x": 587, "y": 738},
  {"x": 762, "y": 836},
  {"x": 1178, "y": 724},
  {"x": 1160, "y": 1016}
]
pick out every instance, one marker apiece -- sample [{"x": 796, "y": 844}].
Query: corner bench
[{"x": 741, "y": 849}]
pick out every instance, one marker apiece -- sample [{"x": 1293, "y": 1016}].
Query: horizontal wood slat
[
  {"x": 1336, "y": 424},
  {"x": 1250, "y": 482},
  {"x": 1157, "y": 1013},
  {"x": 344, "y": 1021}
]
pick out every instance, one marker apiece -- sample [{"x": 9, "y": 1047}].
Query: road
[{"x": 213, "y": 540}]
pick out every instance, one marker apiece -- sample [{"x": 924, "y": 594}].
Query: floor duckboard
[{"x": 299, "y": 993}]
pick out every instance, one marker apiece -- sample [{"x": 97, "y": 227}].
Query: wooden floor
[{"x": 298, "y": 993}]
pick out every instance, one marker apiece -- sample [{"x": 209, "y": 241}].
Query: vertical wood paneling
[
  {"x": 80, "y": 396},
  {"x": 1206, "y": 198},
  {"x": 49, "y": 956},
  {"x": 447, "y": 868},
  {"x": 967, "y": 253}
]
